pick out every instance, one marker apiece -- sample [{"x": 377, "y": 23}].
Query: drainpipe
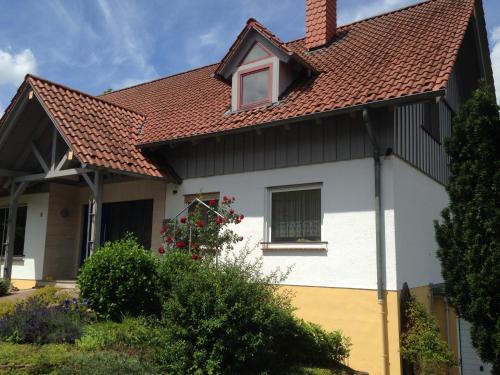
[{"x": 379, "y": 242}]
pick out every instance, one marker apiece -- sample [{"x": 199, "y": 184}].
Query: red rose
[
  {"x": 231, "y": 212},
  {"x": 200, "y": 224},
  {"x": 237, "y": 221},
  {"x": 170, "y": 239},
  {"x": 233, "y": 199},
  {"x": 195, "y": 246},
  {"x": 225, "y": 198},
  {"x": 161, "y": 250},
  {"x": 181, "y": 244},
  {"x": 195, "y": 257},
  {"x": 219, "y": 220},
  {"x": 183, "y": 219},
  {"x": 242, "y": 217},
  {"x": 212, "y": 202},
  {"x": 163, "y": 230}
]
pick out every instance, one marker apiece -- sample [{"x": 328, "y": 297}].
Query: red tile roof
[
  {"x": 101, "y": 134},
  {"x": 405, "y": 52}
]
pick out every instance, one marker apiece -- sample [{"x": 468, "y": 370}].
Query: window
[
  {"x": 257, "y": 52},
  {"x": 431, "y": 120},
  {"x": 20, "y": 228},
  {"x": 255, "y": 87},
  {"x": 295, "y": 215}
]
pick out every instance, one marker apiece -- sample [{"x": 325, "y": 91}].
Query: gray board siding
[{"x": 333, "y": 139}]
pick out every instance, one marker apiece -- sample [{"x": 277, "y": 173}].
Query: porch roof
[{"x": 100, "y": 134}]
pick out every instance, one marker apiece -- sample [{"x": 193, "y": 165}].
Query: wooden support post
[
  {"x": 15, "y": 193},
  {"x": 95, "y": 214}
]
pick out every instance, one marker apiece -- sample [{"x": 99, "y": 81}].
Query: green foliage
[
  {"x": 203, "y": 231},
  {"x": 421, "y": 343},
  {"x": 7, "y": 307},
  {"x": 50, "y": 295},
  {"x": 4, "y": 287},
  {"x": 105, "y": 363},
  {"x": 132, "y": 335},
  {"x": 34, "y": 359},
  {"x": 231, "y": 318},
  {"x": 315, "y": 346},
  {"x": 119, "y": 279},
  {"x": 469, "y": 235}
]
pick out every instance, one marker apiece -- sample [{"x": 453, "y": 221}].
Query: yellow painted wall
[
  {"x": 356, "y": 313},
  {"x": 23, "y": 284}
]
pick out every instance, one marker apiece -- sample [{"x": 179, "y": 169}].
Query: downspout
[{"x": 379, "y": 241}]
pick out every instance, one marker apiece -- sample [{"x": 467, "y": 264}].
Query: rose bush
[{"x": 203, "y": 231}]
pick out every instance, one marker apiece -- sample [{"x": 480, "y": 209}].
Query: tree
[{"x": 469, "y": 235}]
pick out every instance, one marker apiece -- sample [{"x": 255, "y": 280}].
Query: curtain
[{"x": 296, "y": 216}]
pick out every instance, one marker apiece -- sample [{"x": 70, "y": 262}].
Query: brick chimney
[{"x": 321, "y": 22}]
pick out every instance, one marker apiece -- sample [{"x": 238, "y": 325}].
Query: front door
[{"x": 120, "y": 218}]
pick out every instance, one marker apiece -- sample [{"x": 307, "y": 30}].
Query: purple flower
[
  {"x": 85, "y": 302},
  {"x": 66, "y": 305}
]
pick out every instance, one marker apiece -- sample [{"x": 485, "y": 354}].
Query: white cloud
[
  {"x": 363, "y": 11},
  {"x": 495, "y": 59},
  {"x": 13, "y": 67}
]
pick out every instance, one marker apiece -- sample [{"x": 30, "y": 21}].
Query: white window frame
[{"x": 267, "y": 244}]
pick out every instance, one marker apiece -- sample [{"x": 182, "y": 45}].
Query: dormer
[{"x": 260, "y": 68}]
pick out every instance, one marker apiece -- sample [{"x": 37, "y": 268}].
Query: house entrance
[{"x": 119, "y": 218}]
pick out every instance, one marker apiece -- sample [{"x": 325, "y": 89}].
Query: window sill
[{"x": 315, "y": 246}]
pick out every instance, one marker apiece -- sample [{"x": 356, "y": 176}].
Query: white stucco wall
[
  {"x": 31, "y": 266},
  {"x": 348, "y": 220},
  {"x": 418, "y": 201}
]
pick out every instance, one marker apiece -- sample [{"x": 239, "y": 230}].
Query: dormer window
[
  {"x": 255, "y": 86},
  {"x": 260, "y": 68},
  {"x": 258, "y": 52}
]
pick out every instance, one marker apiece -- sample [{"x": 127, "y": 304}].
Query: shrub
[
  {"x": 119, "y": 279},
  {"x": 34, "y": 322},
  {"x": 421, "y": 343},
  {"x": 132, "y": 335},
  {"x": 315, "y": 346},
  {"x": 50, "y": 295},
  {"x": 4, "y": 287},
  {"x": 104, "y": 363},
  {"x": 6, "y": 308},
  {"x": 230, "y": 318}
]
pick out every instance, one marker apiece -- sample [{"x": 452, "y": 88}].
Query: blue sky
[{"x": 93, "y": 45}]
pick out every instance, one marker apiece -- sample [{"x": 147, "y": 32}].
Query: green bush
[
  {"x": 119, "y": 279},
  {"x": 7, "y": 307},
  {"x": 421, "y": 343},
  {"x": 132, "y": 335},
  {"x": 51, "y": 295},
  {"x": 230, "y": 318},
  {"x": 4, "y": 287},
  {"x": 315, "y": 346},
  {"x": 105, "y": 363}
]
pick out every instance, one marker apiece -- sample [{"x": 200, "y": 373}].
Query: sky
[{"x": 94, "y": 45}]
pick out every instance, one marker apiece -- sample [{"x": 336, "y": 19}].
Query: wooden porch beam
[
  {"x": 54, "y": 149},
  {"x": 94, "y": 213},
  {"x": 15, "y": 193},
  {"x": 39, "y": 157},
  {"x": 51, "y": 175}
]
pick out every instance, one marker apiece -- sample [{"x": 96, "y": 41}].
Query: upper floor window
[{"x": 255, "y": 87}]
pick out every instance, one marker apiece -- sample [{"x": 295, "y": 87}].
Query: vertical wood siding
[
  {"x": 333, "y": 139},
  {"x": 416, "y": 146}
]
